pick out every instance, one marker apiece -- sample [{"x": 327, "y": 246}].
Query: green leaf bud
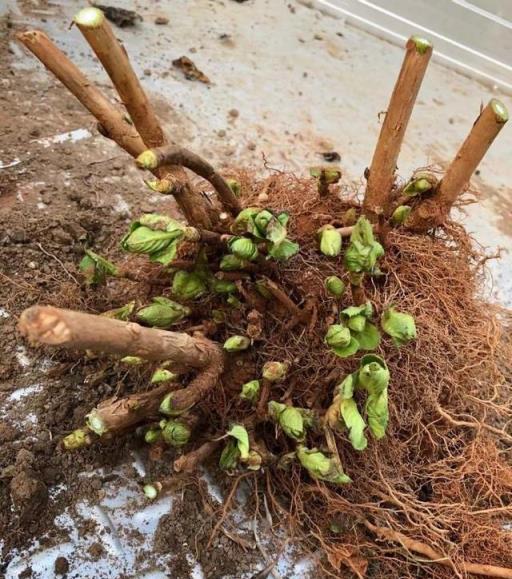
[
  {"x": 237, "y": 343},
  {"x": 162, "y": 313},
  {"x": 274, "y": 371},
  {"x": 250, "y": 391},
  {"x": 330, "y": 241},
  {"x": 334, "y": 285},
  {"x": 399, "y": 325},
  {"x": 176, "y": 433},
  {"x": 188, "y": 285}
]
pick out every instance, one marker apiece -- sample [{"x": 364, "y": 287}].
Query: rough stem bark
[
  {"x": 70, "y": 329},
  {"x": 385, "y": 157},
  {"x": 432, "y": 211},
  {"x": 115, "y": 124},
  {"x": 170, "y": 155},
  {"x": 97, "y": 31}
]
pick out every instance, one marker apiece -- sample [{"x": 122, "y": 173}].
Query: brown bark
[
  {"x": 190, "y": 461},
  {"x": 112, "y": 55},
  {"x": 433, "y": 211},
  {"x": 114, "y": 58},
  {"x": 171, "y": 155},
  {"x": 69, "y": 329},
  {"x": 385, "y": 157},
  {"x": 436, "y": 557},
  {"x": 116, "y": 415},
  {"x": 114, "y": 124},
  {"x": 111, "y": 119}
]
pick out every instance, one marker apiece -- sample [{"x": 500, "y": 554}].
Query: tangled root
[{"x": 440, "y": 476}]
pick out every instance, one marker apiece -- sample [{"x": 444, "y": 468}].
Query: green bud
[
  {"x": 152, "y": 490},
  {"x": 354, "y": 423},
  {"x": 95, "y": 268},
  {"x": 357, "y": 323},
  {"x": 328, "y": 175},
  {"x": 166, "y": 406},
  {"x": 222, "y": 286},
  {"x": 378, "y": 413},
  {"x": 373, "y": 374},
  {"x": 96, "y": 423},
  {"x": 152, "y": 435},
  {"x": 237, "y": 343},
  {"x": 289, "y": 418},
  {"x": 176, "y": 433},
  {"x": 232, "y": 263},
  {"x": 162, "y": 375},
  {"x": 283, "y": 251},
  {"x": 163, "y": 186},
  {"x": 162, "y": 313},
  {"x": 330, "y": 241},
  {"x": 399, "y": 325},
  {"x": 261, "y": 220},
  {"x": 230, "y": 456},
  {"x": 233, "y": 301},
  {"x": 337, "y": 336},
  {"x": 143, "y": 239},
  {"x": 275, "y": 371},
  {"x": 363, "y": 252},
  {"x": 235, "y": 186},
  {"x": 243, "y": 248},
  {"x": 77, "y": 439},
  {"x": 250, "y": 391},
  {"x": 188, "y": 285},
  {"x": 420, "y": 183},
  {"x": 123, "y": 313},
  {"x": 320, "y": 467},
  {"x": 334, "y": 285},
  {"x": 240, "y": 434},
  {"x": 400, "y": 214},
  {"x": 132, "y": 360},
  {"x": 244, "y": 222}
]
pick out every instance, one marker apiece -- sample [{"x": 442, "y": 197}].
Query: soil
[{"x": 56, "y": 199}]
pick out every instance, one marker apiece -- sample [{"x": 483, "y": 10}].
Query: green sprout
[
  {"x": 250, "y": 391},
  {"x": 188, "y": 285},
  {"x": 334, "y": 286},
  {"x": 237, "y": 344},
  {"x": 162, "y": 313},
  {"x": 321, "y": 467},
  {"x": 330, "y": 241},
  {"x": 363, "y": 251},
  {"x": 399, "y": 325},
  {"x": 95, "y": 268}
]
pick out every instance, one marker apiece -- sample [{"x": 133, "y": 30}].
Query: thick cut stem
[
  {"x": 114, "y": 58},
  {"x": 190, "y": 461},
  {"x": 112, "y": 55},
  {"x": 170, "y": 155},
  {"x": 385, "y": 157},
  {"x": 115, "y": 124},
  {"x": 116, "y": 415},
  {"x": 433, "y": 211},
  {"x": 435, "y": 556},
  {"x": 69, "y": 329}
]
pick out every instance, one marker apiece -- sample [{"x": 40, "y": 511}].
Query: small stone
[
  {"x": 147, "y": 72},
  {"x": 251, "y": 146},
  {"x": 161, "y": 20},
  {"x": 61, "y": 566},
  {"x": 221, "y": 133},
  {"x": 32, "y": 264},
  {"x": 318, "y": 37},
  {"x": 234, "y": 113},
  {"x": 263, "y": 197},
  {"x": 35, "y": 133}
]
